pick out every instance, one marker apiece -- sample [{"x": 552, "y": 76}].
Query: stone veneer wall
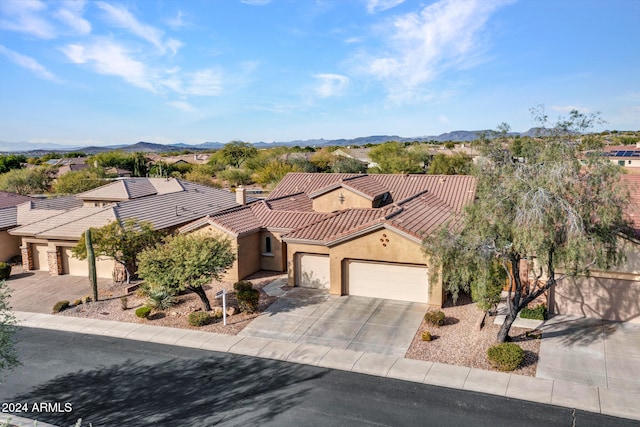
[
  {"x": 55, "y": 261},
  {"x": 27, "y": 257}
]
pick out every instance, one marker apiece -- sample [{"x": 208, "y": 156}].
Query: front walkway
[
  {"x": 312, "y": 316},
  {"x": 592, "y": 352}
]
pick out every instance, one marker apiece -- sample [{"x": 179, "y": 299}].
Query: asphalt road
[{"x": 116, "y": 382}]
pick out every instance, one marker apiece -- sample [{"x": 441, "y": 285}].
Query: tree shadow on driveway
[{"x": 225, "y": 389}]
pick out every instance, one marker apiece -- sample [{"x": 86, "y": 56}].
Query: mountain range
[{"x": 150, "y": 147}]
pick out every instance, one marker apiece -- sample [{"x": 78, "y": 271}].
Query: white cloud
[
  {"x": 70, "y": 13},
  {"x": 443, "y": 119},
  {"x": 121, "y": 17},
  {"x": 256, "y": 2},
  {"x": 200, "y": 83},
  {"x": 182, "y": 105},
  {"x": 374, "y": 6},
  {"x": 442, "y": 36},
  {"x": 177, "y": 22},
  {"x": 28, "y": 63},
  {"x": 110, "y": 58},
  {"x": 330, "y": 85},
  {"x": 24, "y": 16}
]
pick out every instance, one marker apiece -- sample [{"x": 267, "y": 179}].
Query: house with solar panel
[{"x": 627, "y": 156}]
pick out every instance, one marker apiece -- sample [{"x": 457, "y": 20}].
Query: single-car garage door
[
  {"x": 40, "y": 257},
  {"x": 313, "y": 271},
  {"x": 390, "y": 281},
  {"x": 71, "y": 265}
]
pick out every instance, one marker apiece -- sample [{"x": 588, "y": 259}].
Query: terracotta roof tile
[{"x": 632, "y": 183}]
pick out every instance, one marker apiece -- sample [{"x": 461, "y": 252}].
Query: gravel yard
[{"x": 458, "y": 342}]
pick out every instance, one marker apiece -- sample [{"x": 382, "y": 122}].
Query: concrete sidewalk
[{"x": 561, "y": 393}]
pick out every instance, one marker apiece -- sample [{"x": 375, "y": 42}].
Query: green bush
[
  {"x": 77, "y": 302},
  {"x": 242, "y": 285},
  {"x": 160, "y": 298},
  {"x": 86, "y": 299},
  {"x": 426, "y": 336},
  {"x": 248, "y": 300},
  {"x": 539, "y": 312},
  {"x": 5, "y": 270},
  {"x": 60, "y": 306},
  {"x": 434, "y": 317},
  {"x": 506, "y": 356},
  {"x": 199, "y": 318},
  {"x": 143, "y": 312}
]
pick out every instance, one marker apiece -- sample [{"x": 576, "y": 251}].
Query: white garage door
[
  {"x": 71, "y": 265},
  {"x": 389, "y": 281},
  {"x": 313, "y": 271},
  {"x": 104, "y": 268},
  {"x": 40, "y": 257}
]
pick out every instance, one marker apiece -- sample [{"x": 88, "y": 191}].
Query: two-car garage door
[{"x": 385, "y": 280}]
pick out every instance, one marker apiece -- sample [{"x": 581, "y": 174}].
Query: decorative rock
[{"x": 231, "y": 311}]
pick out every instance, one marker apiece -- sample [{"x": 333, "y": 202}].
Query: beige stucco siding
[
  {"x": 274, "y": 260},
  {"x": 330, "y": 202},
  {"x": 9, "y": 245}
]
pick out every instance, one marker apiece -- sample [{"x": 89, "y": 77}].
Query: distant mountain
[{"x": 34, "y": 149}]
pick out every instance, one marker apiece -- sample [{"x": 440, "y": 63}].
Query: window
[
  {"x": 620, "y": 162},
  {"x": 267, "y": 245}
]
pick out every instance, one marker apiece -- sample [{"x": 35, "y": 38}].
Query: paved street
[{"x": 114, "y": 382}]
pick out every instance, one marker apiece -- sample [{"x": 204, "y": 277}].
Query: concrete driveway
[
  {"x": 37, "y": 291},
  {"x": 591, "y": 352},
  {"x": 313, "y": 316}
]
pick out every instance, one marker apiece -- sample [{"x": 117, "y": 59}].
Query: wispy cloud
[
  {"x": 330, "y": 85},
  {"x": 177, "y": 21},
  {"x": 374, "y": 6},
  {"x": 569, "y": 108},
  {"x": 181, "y": 105},
  {"x": 110, "y": 58},
  {"x": 256, "y": 2},
  {"x": 420, "y": 46},
  {"x": 70, "y": 13},
  {"x": 121, "y": 17},
  {"x": 201, "y": 83},
  {"x": 28, "y": 63},
  {"x": 25, "y": 17}
]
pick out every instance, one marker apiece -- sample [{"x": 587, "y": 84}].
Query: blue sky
[{"x": 115, "y": 72}]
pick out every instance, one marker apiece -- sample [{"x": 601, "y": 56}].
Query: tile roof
[
  {"x": 632, "y": 183},
  {"x": 419, "y": 204},
  {"x": 11, "y": 199},
  {"x": 132, "y": 188},
  {"x": 8, "y": 217},
  {"x": 56, "y": 203},
  {"x": 167, "y": 210}
]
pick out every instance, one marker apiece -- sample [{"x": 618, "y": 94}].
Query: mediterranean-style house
[
  {"x": 354, "y": 234},
  {"x": 167, "y": 203},
  {"x": 360, "y": 154}
]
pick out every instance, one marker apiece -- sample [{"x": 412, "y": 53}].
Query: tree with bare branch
[{"x": 560, "y": 211}]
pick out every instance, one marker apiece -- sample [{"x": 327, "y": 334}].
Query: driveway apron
[{"x": 314, "y": 316}]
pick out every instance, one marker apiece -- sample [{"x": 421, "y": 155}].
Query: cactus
[{"x": 91, "y": 258}]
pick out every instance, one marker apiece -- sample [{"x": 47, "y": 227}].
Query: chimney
[{"x": 241, "y": 195}]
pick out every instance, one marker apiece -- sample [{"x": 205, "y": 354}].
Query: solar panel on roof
[{"x": 628, "y": 153}]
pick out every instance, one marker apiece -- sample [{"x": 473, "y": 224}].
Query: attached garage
[
  {"x": 404, "y": 282},
  {"x": 76, "y": 267},
  {"x": 313, "y": 271},
  {"x": 40, "y": 257}
]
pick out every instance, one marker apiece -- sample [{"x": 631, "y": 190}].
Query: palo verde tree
[
  {"x": 186, "y": 262},
  {"x": 121, "y": 241},
  {"x": 559, "y": 212},
  {"x": 236, "y": 152}
]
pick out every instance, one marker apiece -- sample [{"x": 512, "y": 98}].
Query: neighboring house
[
  {"x": 166, "y": 203},
  {"x": 120, "y": 173},
  {"x": 193, "y": 159},
  {"x": 360, "y": 154},
  {"x": 70, "y": 168},
  {"x": 627, "y": 156},
  {"x": 301, "y": 156},
  {"x": 353, "y": 234},
  {"x": 607, "y": 294}
]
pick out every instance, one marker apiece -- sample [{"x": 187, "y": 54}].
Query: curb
[{"x": 554, "y": 392}]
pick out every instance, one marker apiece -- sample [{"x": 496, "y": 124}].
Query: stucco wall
[
  {"x": 330, "y": 202},
  {"x": 9, "y": 245},
  {"x": 275, "y": 261},
  {"x": 383, "y": 245}
]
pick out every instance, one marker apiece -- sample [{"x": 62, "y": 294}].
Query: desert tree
[
  {"x": 560, "y": 211},
  {"x": 8, "y": 354},
  {"x": 186, "y": 262}
]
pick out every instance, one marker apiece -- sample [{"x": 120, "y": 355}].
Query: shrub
[
  {"x": 77, "y": 302},
  {"x": 434, "y": 317},
  {"x": 86, "y": 299},
  {"x": 124, "y": 301},
  {"x": 506, "y": 356},
  {"x": 143, "y": 312},
  {"x": 242, "y": 285},
  {"x": 426, "y": 336},
  {"x": 539, "y": 312},
  {"x": 60, "y": 306},
  {"x": 160, "y": 298},
  {"x": 5, "y": 270},
  {"x": 248, "y": 300},
  {"x": 217, "y": 314},
  {"x": 199, "y": 318}
]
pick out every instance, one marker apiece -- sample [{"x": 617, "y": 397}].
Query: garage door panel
[
  {"x": 40, "y": 256},
  {"x": 104, "y": 268},
  {"x": 313, "y": 271},
  {"x": 389, "y": 281},
  {"x": 73, "y": 266}
]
